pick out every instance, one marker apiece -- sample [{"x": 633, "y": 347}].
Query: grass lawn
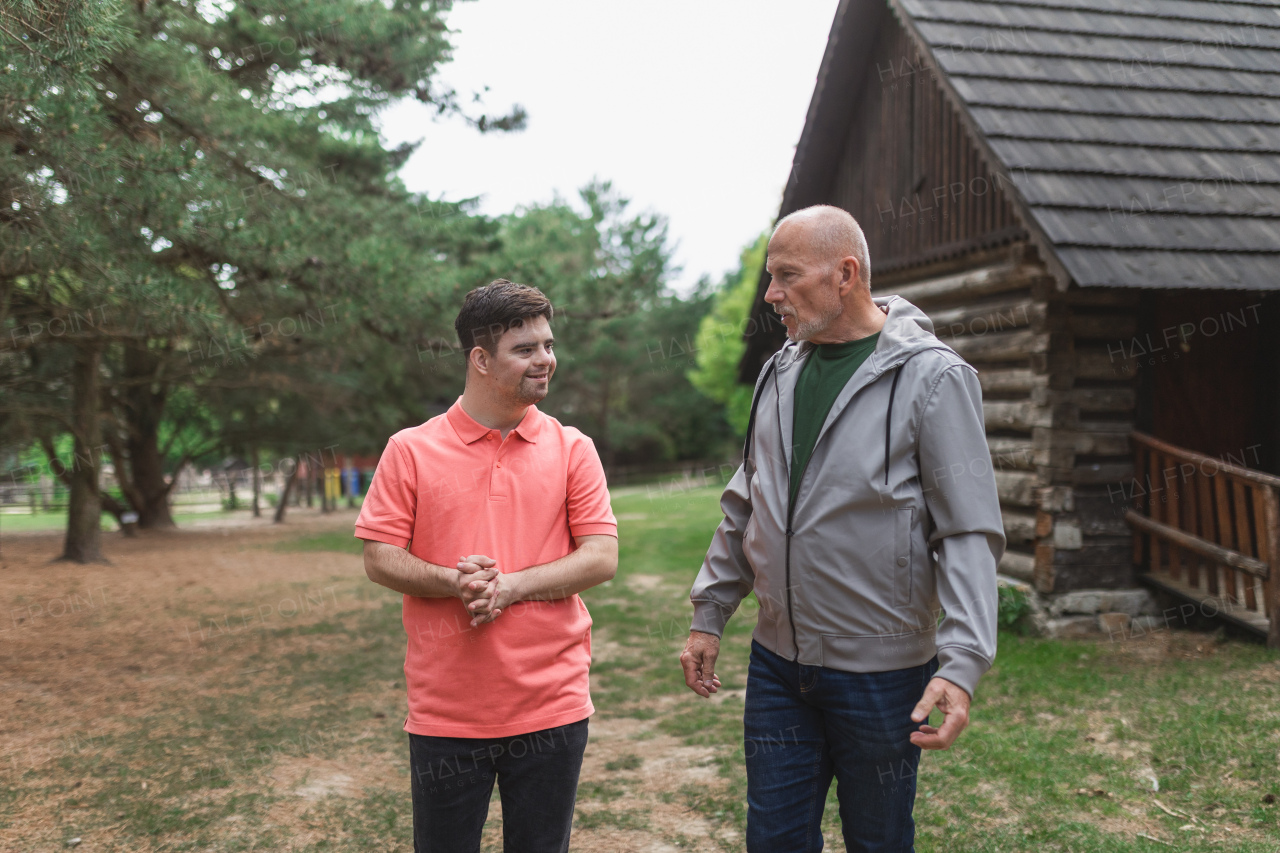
[
  {"x": 1067, "y": 745},
  {"x": 48, "y": 522}
]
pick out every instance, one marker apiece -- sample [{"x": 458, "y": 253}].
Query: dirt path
[
  {"x": 87, "y": 651},
  {"x": 209, "y": 690}
]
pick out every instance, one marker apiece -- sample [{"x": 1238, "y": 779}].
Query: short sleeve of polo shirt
[
  {"x": 387, "y": 514},
  {"x": 587, "y": 500}
]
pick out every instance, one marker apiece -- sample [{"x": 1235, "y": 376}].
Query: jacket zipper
[
  {"x": 791, "y": 506},
  {"x": 791, "y": 510},
  {"x": 791, "y": 614}
]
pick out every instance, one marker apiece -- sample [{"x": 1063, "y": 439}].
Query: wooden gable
[{"x": 909, "y": 171}]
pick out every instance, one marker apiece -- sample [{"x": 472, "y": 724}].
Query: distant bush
[{"x": 1013, "y": 608}]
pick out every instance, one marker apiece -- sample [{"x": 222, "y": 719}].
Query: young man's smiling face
[{"x": 521, "y": 369}]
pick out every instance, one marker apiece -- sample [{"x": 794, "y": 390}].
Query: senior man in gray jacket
[{"x": 865, "y": 506}]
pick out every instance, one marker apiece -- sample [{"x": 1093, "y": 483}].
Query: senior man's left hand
[{"x": 953, "y": 702}]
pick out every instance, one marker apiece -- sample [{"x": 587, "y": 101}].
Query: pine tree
[{"x": 184, "y": 178}]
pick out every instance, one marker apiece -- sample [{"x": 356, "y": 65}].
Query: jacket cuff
[
  {"x": 710, "y": 617},
  {"x": 961, "y": 667}
]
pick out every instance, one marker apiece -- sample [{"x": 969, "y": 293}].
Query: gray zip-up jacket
[{"x": 896, "y": 515}]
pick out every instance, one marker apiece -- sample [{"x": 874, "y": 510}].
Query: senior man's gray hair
[{"x": 835, "y": 235}]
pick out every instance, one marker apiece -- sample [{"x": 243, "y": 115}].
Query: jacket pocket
[
  {"x": 902, "y": 555},
  {"x": 749, "y": 534}
]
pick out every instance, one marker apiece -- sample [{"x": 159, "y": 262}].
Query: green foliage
[
  {"x": 197, "y": 200},
  {"x": 1012, "y": 606},
  {"x": 719, "y": 343},
  {"x": 622, "y": 336},
  {"x": 198, "y": 197}
]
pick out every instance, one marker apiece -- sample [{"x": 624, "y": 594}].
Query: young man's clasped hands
[
  {"x": 478, "y": 582},
  {"x": 491, "y": 590}
]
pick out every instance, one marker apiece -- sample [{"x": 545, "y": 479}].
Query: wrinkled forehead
[{"x": 793, "y": 242}]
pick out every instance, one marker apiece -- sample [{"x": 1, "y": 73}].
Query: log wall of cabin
[
  {"x": 1058, "y": 391},
  {"x": 1091, "y": 545},
  {"x": 1058, "y": 403}
]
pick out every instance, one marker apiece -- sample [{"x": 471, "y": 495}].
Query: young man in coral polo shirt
[{"x": 490, "y": 519}]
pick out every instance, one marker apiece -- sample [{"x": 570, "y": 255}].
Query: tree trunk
[
  {"x": 257, "y": 483},
  {"x": 145, "y": 487},
  {"x": 109, "y": 503},
  {"x": 84, "y": 517},
  {"x": 326, "y": 505},
  {"x": 309, "y": 481},
  {"x": 117, "y": 509},
  {"x": 284, "y": 495},
  {"x": 148, "y": 480}
]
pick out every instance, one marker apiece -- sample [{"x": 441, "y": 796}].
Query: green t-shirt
[{"x": 823, "y": 377}]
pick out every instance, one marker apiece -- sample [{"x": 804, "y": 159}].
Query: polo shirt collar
[{"x": 470, "y": 430}]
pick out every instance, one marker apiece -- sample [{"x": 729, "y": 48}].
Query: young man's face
[{"x": 521, "y": 369}]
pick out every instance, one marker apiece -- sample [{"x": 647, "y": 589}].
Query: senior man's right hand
[{"x": 699, "y": 662}]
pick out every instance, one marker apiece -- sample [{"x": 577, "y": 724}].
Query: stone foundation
[{"x": 1090, "y": 613}]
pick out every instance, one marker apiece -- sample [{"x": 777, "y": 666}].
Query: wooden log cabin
[{"x": 1084, "y": 196}]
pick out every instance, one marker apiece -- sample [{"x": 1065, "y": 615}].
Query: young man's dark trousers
[{"x": 537, "y": 776}]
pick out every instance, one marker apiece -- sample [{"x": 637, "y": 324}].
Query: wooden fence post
[{"x": 1273, "y": 570}]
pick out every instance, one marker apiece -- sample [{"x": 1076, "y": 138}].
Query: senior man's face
[{"x": 804, "y": 287}]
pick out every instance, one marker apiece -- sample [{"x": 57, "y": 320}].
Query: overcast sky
[{"x": 692, "y": 109}]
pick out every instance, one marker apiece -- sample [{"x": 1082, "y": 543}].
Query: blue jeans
[
  {"x": 805, "y": 724},
  {"x": 537, "y": 776}
]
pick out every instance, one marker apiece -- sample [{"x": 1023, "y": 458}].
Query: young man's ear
[{"x": 480, "y": 359}]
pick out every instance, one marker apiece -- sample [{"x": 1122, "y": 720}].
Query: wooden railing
[{"x": 1208, "y": 531}]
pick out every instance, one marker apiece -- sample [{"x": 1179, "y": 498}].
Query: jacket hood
[{"x": 907, "y": 330}]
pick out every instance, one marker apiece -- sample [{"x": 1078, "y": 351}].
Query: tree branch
[{"x": 46, "y": 444}]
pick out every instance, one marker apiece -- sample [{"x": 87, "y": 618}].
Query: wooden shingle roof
[{"x": 1142, "y": 137}]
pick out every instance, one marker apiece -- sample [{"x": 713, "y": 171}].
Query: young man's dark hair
[{"x": 489, "y": 311}]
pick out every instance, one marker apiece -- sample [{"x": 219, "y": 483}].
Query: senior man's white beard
[{"x": 814, "y": 325}]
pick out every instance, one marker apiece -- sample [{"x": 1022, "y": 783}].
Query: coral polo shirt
[{"x": 451, "y": 488}]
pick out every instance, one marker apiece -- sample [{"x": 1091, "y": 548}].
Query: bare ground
[
  {"x": 182, "y": 619},
  {"x": 87, "y": 651}
]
